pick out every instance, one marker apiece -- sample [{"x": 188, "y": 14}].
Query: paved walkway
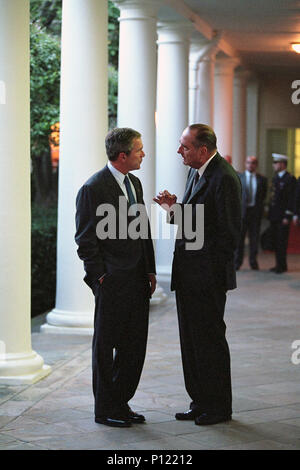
[{"x": 263, "y": 320}]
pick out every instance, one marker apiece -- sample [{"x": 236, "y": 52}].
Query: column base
[
  {"x": 159, "y": 296},
  {"x": 68, "y": 322},
  {"x": 66, "y": 330},
  {"x": 164, "y": 273},
  {"x": 22, "y": 369}
]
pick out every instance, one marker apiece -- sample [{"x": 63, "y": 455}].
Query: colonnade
[{"x": 165, "y": 83}]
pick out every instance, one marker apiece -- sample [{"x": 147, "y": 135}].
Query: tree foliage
[
  {"x": 46, "y": 16},
  {"x": 44, "y": 87}
]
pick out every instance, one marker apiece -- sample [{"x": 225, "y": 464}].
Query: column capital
[
  {"x": 241, "y": 76},
  {"x": 137, "y": 9},
  {"x": 173, "y": 32},
  {"x": 226, "y": 65},
  {"x": 204, "y": 50}
]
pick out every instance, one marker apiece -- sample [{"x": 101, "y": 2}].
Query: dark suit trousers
[
  {"x": 205, "y": 352},
  {"x": 280, "y": 235},
  {"x": 251, "y": 224},
  {"x": 119, "y": 341}
]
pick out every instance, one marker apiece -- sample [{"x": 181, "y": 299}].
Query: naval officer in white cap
[{"x": 281, "y": 210}]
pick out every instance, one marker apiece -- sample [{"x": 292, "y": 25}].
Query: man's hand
[
  {"x": 165, "y": 199},
  {"x": 296, "y": 220},
  {"x": 285, "y": 221},
  {"x": 152, "y": 280}
]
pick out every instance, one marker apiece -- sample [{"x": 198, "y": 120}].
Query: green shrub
[{"x": 43, "y": 259}]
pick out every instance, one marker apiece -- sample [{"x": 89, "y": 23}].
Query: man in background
[
  {"x": 281, "y": 210},
  {"x": 254, "y": 191}
]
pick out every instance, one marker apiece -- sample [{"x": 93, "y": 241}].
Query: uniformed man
[{"x": 281, "y": 210}]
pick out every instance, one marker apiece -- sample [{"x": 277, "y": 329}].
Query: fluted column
[
  {"x": 205, "y": 95},
  {"x": 82, "y": 151},
  {"x": 137, "y": 80},
  {"x": 19, "y": 364},
  {"x": 252, "y": 116},
  {"x": 223, "y": 103},
  {"x": 201, "y": 78},
  {"x": 137, "y": 89},
  {"x": 172, "y": 119},
  {"x": 239, "y": 119}
]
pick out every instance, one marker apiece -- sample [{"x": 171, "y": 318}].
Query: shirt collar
[
  {"x": 281, "y": 173},
  {"x": 248, "y": 173},
  {"x": 203, "y": 167},
  {"x": 116, "y": 173}
]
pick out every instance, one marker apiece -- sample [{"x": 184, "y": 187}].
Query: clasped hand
[{"x": 165, "y": 199}]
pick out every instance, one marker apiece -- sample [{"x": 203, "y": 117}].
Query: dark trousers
[
  {"x": 119, "y": 341},
  {"x": 251, "y": 224},
  {"x": 204, "y": 349},
  {"x": 280, "y": 235}
]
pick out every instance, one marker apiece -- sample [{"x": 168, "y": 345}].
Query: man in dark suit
[
  {"x": 120, "y": 269},
  {"x": 254, "y": 191},
  {"x": 202, "y": 275},
  {"x": 281, "y": 209}
]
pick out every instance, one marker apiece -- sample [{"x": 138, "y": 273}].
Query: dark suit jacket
[
  {"x": 110, "y": 255},
  {"x": 212, "y": 266},
  {"x": 261, "y": 192},
  {"x": 282, "y": 202}
]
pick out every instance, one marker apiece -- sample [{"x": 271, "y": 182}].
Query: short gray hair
[
  {"x": 204, "y": 135},
  {"x": 120, "y": 139}
]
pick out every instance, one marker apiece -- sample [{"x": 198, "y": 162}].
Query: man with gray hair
[
  {"x": 201, "y": 276},
  {"x": 120, "y": 270}
]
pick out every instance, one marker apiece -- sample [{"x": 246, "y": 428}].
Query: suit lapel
[
  {"x": 139, "y": 196},
  {"x": 112, "y": 185},
  {"x": 204, "y": 178},
  {"x": 202, "y": 181},
  {"x": 189, "y": 186}
]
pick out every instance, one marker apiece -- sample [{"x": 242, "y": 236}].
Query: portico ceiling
[{"x": 257, "y": 31}]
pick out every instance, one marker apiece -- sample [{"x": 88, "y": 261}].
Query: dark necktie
[
  {"x": 250, "y": 190},
  {"x": 196, "y": 179},
  {"x": 131, "y": 198}
]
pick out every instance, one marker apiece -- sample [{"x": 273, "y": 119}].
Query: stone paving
[{"x": 263, "y": 320}]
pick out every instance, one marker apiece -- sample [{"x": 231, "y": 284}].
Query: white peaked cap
[{"x": 277, "y": 157}]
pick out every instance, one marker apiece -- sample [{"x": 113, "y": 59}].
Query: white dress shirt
[
  {"x": 120, "y": 177},
  {"x": 254, "y": 186},
  {"x": 202, "y": 169}
]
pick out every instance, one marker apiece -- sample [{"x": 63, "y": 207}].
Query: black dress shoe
[
  {"x": 188, "y": 415},
  {"x": 254, "y": 266},
  {"x": 205, "y": 419},
  {"x": 135, "y": 417},
  {"x": 278, "y": 270},
  {"x": 114, "y": 421}
]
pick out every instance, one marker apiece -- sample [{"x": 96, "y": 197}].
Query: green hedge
[{"x": 43, "y": 259}]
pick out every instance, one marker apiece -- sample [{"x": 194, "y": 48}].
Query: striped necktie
[{"x": 131, "y": 198}]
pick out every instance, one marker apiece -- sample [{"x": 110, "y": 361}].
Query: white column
[
  {"x": 223, "y": 104},
  {"x": 252, "y": 116},
  {"x": 137, "y": 81},
  {"x": 137, "y": 90},
  {"x": 239, "y": 119},
  {"x": 19, "y": 364},
  {"x": 205, "y": 95},
  {"x": 82, "y": 150},
  {"x": 172, "y": 119}
]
